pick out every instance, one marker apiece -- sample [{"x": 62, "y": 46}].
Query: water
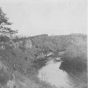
[{"x": 55, "y": 76}]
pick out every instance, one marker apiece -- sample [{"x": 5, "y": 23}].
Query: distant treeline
[{"x": 73, "y": 46}]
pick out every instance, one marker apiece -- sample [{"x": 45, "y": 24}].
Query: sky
[{"x": 52, "y": 17}]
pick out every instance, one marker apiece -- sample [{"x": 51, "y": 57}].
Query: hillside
[{"x": 28, "y": 60}]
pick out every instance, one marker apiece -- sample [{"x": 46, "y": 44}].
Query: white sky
[{"x": 33, "y": 17}]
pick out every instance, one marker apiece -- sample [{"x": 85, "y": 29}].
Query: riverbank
[
  {"x": 22, "y": 81},
  {"x": 59, "y": 78}
]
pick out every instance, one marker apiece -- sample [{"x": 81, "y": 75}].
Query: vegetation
[
  {"x": 75, "y": 56},
  {"x": 28, "y": 60}
]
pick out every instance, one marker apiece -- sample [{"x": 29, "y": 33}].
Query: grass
[{"x": 30, "y": 82}]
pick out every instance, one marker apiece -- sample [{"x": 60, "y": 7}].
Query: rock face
[
  {"x": 11, "y": 84},
  {"x": 24, "y": 43},
  {"x": 28, "y": 44}
]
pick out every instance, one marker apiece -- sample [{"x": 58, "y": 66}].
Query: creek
[{"x": 51, "y": 74}]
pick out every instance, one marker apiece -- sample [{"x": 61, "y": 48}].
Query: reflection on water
[{"x": 51, "y": 74}]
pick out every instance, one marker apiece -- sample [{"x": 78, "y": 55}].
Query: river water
[{"x": 55, "y": 76}]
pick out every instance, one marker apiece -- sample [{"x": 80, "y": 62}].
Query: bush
[{"x": 75, "y": 57}]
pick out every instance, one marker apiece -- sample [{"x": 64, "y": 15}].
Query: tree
[
  {"x": 3, "y": 22},
  {"x": 48, "y": 44},
  {"x": 75, "y": 56}
]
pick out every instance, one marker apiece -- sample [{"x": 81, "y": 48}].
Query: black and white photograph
[{"x": 43, "y": 44}]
